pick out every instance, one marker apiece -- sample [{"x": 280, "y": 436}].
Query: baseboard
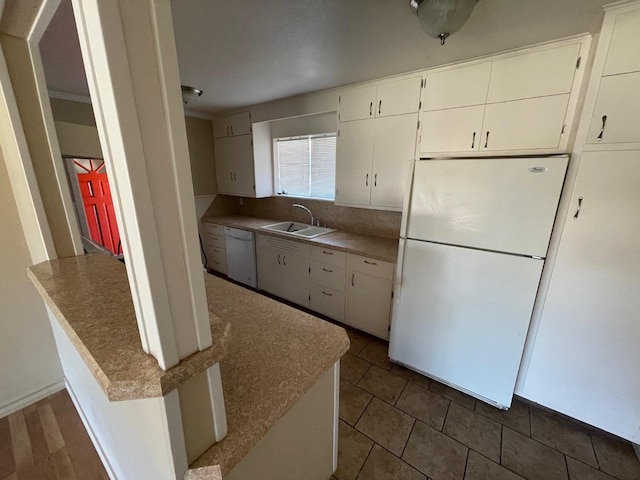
[
  {"x": 92, "y": 435},
  {"x": 34, "y": 397}
]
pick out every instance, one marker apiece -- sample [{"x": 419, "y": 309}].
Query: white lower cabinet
[
  {"x": 328, "y": 279},
  {"x": 214, "y": 247},
  {"x": 283, "y": 268},
  {"x": 369, "y": 290}
]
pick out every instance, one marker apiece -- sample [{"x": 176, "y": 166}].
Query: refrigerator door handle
[
  {"x": 407, "y": 198},
  {"x": 397, "y": 289}
]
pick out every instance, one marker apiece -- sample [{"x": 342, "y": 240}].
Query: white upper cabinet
[
  {"x": 452, "y": 130},
  {"x": 394, "y": 146},
  {"x": 536, "y": 74},
  {"x": 234, "y": 165},
  {"x": 624, "y": 49},
  {"x": 232, "y": 125},
  {"x": 390, "y": 98},
  {"x": 398, "y": 97},
  {"x": 536, "y": 123},
  {"x": 616, "y": 117},
  {"x": 520, "y": 103},
  {"x": 357, "y": 104},
  {"x": 458, "y": 87},
  {"x": 354, "y": 151},
  {"x": 372, "y": 157}
]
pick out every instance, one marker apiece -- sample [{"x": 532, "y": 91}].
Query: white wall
[
  {"x": 30, "y": 367},
  {"x": 133, "y": 435}
]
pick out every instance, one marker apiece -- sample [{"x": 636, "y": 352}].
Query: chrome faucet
[{"x": 309, "y": 211}]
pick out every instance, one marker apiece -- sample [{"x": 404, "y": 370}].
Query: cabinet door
[
  {"x": 354, "y": 154},
  {"x": 327, "y": 301},
  {"x": 234, "y": 165},
  {"x": 453, "y": 130},
  {"x": 224, "y": 152},
  {"x": 357, "y": 104},
  {"x": 537, "y": 74},
  {"x": 368, "y": 304},
  {"x": 585, "y": 358},
  {"x": 535, "y": 123},
  {"x": 624, "y": 50},
  {"x": 401, "y": 96},
  {"x": 232, "y": 125},
  {"x": 458, "y": 87},
  {"x": 619, "y": 101},
  {"x": 270, "y": 271},
  {"x": 295, "y": 279},
  {"x": 394, "y": 146}
]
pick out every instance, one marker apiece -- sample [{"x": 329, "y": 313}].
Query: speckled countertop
[
  {"x": 380, "y": 248},
  {"x": 96, "y": 312},
  {"x": 276, "y": 355}
]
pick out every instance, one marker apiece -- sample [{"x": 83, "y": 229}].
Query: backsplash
[{"x": 357, "y": 220}]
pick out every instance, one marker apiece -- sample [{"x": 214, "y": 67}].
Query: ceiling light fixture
[
  {"x": 441, "y": 18},
  {"x": 190, "y": 94}
]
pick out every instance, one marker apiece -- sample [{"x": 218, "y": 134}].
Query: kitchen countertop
[
  {"x": 380, "y": 248},
  {"x": 270, "y": 354},
  {"x": 276, "y": 355},
  {"x": 96, "y": 312}
]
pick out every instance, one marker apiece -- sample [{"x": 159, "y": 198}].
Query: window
[{"x": 306, "y": 166}]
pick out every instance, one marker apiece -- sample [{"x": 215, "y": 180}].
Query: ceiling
[{"x": 243, "y": 53}]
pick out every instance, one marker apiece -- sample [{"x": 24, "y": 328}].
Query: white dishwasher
[{"x": 241, "y": 256}]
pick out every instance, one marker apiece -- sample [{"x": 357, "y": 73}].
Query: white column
[{"x": 130, "y": 59}]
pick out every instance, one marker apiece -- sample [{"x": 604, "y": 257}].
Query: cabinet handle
[
  {"x": 327, "y": 253},
  {"x": 228, "y": 134},
  {"x": 375, "y": 180},
  {"x": 369, "y": 263},
  {"x": 473, "y": 141},
  {"x": 371, "y": 109},
  {"x": 231, "y": 130},
  {"x": 327, "y": 270},
  {"x": 327, "y": 294},
  {"x": 216, "y": 250},
  {"x": 380, "y": 107},
  {"x": 486, "y": 143},
  {"x": 604, "y": 123},
  {"x": 279, "y": 260},
  {"x": 284, "y": 260},
  {"x": 353, "y": 275},
  {"x": 366, "y": 182},
  {"x": 579, "y": 206},
  {"x": 235, "y": 177}
]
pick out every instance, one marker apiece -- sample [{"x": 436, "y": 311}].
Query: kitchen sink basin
[{"x": 298, "y": 229}]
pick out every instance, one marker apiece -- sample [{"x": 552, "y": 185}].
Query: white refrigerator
[{"x": 473, "y": 242}]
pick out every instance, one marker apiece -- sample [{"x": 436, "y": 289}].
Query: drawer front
[
  {"x": 217, "y": 259},
  {"x": 328, "y": 275},
  {"x": 327, "y": 301},
  {"x": 371, "y": 266},
  {"x": 214, "y": 229},
  {"x": 214, "y": 239},
  {"x": 327, "y": 255},
  {"x": 282, "y": 245}
]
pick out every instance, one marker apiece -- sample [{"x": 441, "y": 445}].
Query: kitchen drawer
[
  {"x": 327, "y": 301},
  {"x": 214, "y": 228},
  {"x": 328, "y": 275},
  {"x": 282, "y": 245},
  {"x": 371, "y": 266},
  {"x": 326, "y": 255},
  {"x": 217, "y": 259},
  {"x": 214, "y": 239}
]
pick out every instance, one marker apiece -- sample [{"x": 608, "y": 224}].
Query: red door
[{"x": 98, "y": 206}]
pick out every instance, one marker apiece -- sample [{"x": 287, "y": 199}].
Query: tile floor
[{"x": 396, "y": 424}]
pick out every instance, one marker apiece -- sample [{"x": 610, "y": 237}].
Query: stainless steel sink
[{"x": 297, "y": 229}]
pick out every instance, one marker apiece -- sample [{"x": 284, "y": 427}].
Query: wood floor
[{"x": 47, "y": 441}]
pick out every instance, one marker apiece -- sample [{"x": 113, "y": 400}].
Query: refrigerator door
[
  {"x": 463, "y": 315},
  {"x": 498, "y": 204}
]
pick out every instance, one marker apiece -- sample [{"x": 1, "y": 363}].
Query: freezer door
[
  {"x": 462, "y": 316},
  {"x": 499, "y": 204}
]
